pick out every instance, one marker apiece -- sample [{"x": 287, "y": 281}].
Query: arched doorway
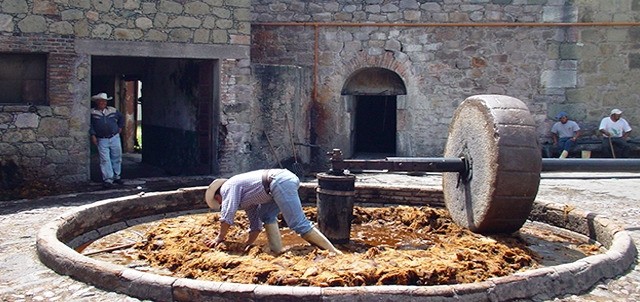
[{"x": 373, "y": 95}]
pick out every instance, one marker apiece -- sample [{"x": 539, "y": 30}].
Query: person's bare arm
[{"x": 575, "y": 135}]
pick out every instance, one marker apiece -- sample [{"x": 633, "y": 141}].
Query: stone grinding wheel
[{"x": 497, "y": 135}]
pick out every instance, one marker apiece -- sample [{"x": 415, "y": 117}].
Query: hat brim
[
  {"x": 101, "y": 96},
  {"x": 211, "y": 191}
]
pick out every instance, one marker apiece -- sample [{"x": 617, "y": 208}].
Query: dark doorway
[
  {"x": 375, "y": 125},
  {"x": 173, "y": 135}
]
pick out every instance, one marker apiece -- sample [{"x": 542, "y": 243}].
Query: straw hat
[{"x": 211, "y": 191}]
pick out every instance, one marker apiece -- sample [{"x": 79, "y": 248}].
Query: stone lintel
[{"x": 161, "y": 49}]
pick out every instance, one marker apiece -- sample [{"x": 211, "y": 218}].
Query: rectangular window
[{"x": 23, "y": 78}]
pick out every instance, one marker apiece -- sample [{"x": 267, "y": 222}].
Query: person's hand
[
  {"x": 94, "y": 140},
  {"x": 212, "y": 243}
]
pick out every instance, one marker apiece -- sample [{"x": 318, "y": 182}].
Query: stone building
[{"x": 224, "y": 86}]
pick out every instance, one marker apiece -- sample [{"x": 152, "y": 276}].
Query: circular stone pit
[{"x": 56, "y": 242}]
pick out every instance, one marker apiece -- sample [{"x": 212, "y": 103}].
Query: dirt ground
[{"x": 394, "y": 245}]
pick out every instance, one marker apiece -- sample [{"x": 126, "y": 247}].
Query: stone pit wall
[
  {"x": 584, "y": 70},
  {"x": 50, "y": 142}
]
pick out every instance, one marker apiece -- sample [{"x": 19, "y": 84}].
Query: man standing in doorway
[{"x": 106, "y": 125}]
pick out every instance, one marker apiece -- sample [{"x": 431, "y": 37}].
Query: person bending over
[{"x": 262, "y": 194}]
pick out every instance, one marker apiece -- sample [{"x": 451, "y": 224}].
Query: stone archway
[{"x": 371, "y": 93}]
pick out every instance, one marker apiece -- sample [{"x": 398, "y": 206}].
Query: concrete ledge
[{"x": 56, "y": 239}]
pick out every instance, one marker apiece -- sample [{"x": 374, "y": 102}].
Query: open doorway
[
  {"x": 131, "y": 108},
  {"x": 372, "y": 101},
  {"x": 174, "y": 119},
  {"x": 375, "y": 125}
]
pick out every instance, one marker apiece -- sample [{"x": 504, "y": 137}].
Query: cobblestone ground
[{"x": 24, "y": 278}]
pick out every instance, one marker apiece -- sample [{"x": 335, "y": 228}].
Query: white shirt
[
  {"x": 565, "y": 130},
  {"x": 617, "y": 128}
]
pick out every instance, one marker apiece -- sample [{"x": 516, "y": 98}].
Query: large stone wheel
[{"x": 497, "y": 135}]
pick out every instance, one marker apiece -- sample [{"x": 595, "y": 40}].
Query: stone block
[
  {"x": 569, "y": 51},
  {"x": 33, "y": 24},
  {"x": 201, "y": 36},
  {"x": 558, "y": 78},
  {"x": 27, "y": 120},
  {"x": 84, "y": 238},
  {"x": 183, "y": 21},
  {"x": 32, "y": 150},
  {"x": 634, "y": 61},
  {"x": 6, "y": 23},
  {"x": 62, "y": 28},
  {"x": 151, "y": 286},
  {"x": 287, "y": 293},
  {"x": 560, "y": 14},
  {"x": 180, "y": 35},
  {"x": 170, "y": 7},
  {"x": 15, "y": 6},
  {"x": 57, "y": 156}
]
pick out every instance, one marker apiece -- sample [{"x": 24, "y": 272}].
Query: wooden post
[{"x": 335, "y": 196}]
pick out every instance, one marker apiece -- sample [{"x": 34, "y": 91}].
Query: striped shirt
[
  {"x": 245, "y": 192},
  {"x": 106, "y": 122}
]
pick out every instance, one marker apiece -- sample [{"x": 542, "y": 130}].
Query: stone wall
[
  {"x": 212, "y": 21},
  {"x": 50, "y": 142},
  {"x": 585, "y": 70},
  {"x": 446, "y": 51}
]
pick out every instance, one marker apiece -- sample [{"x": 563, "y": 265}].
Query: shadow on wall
[{"x": 10, "y": 177}]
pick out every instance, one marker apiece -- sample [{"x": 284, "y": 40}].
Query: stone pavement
[{"x": 24, "y": 278}]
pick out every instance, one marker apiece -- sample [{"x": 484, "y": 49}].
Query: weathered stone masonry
[
  {"x": 47, "y": 140},
  {"x": 585, "y": 70},
  {"x": 50, "y": 141}
]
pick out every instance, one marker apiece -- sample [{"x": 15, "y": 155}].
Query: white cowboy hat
[
  {"x": 100, "y": 96},
  {"x": 211, "y": 191}
]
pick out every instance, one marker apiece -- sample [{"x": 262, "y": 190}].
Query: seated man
[
  {"x": 565, "y": 132},
  {"x": 615, "y": 131}
]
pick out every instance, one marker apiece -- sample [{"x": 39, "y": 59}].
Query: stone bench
[{"x": 588, "y": 144}]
